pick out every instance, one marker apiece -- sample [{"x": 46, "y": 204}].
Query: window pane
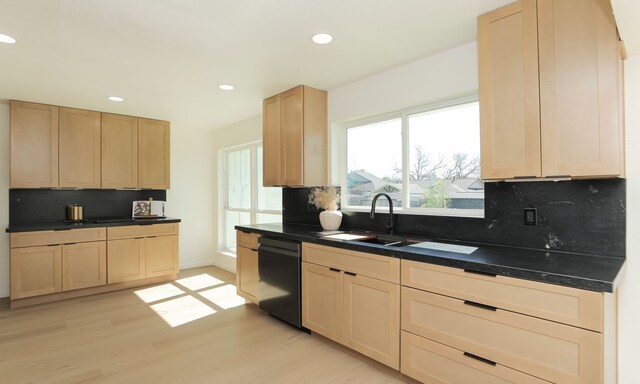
[
  {"x": 239, "y": 179},
  {"x": 444, "y": 158},
  {"x": 374, "y": 162},
  {"x": 231, "y": 220},
  {"x": 269, "y": 198},
  {"x": 265, "y": 218}
]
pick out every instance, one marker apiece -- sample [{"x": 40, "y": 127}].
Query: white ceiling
[{"x": 167, "y": 57}]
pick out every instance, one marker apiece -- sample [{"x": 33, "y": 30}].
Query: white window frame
[
  {"x": 223, "y": 192},
  {"x": 341, "y": 146}
]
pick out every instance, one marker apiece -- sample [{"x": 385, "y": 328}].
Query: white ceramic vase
[{"x": 330, "y": 220}]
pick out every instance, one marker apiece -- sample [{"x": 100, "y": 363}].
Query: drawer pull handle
[
  {"x": 480, "y": 273},
  {"x": 350, "y": 273},
  {"x": 62, "y": 229},
  {"x": 151, "y": 237},
  {"x": 138, "y": 238},
  {"x": 483, "y": 306},
  {"x": 69, "y": 243},
  {"x": 334, "y": 270},
  {"x": 487, "y": 361}
]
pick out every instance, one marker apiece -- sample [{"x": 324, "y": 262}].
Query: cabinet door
[
  {"x": 161, "y": 256},
  {"x": 84, "y": 265},
  {"x": 271, "y": 142},
  {"x": 119, "y": 151},
  {"x": 322, "y": 300},
  {"x": 125, "y": 260},
  {"x": 34, "y": 145},
  {"x": 153, "y": 154},
  {"x": 79, "y": 148},
  {"x": 372, "y": 318},
  {"x": 580, "y": 89},
  {"x": 292, "y": 125},
  {"x": 509, "y": 92},
  {"x": 35, "y": 271},
  {"x": 247, "y": 278}
]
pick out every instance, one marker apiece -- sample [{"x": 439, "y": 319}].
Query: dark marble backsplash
[
  {"x": 33, "y": 206},
  {"x": 583, "y": 216}
]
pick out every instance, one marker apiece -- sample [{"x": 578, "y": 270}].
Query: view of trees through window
[{"x": 436, "y": 167}]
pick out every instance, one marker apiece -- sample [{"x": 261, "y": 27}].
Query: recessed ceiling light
[
  {"x": 7, "y": 39},
  {"x": 322, "y": 38},
  {"x": 226, "y": 87},
  {"x": 116, "y": 98}
]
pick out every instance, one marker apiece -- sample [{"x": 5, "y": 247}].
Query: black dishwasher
[{"x": 279, "y": 264}]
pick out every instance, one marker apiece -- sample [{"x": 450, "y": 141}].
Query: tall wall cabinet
[
  {"x": 550, "y": 76},
  {"x": 294, "y": 133},
  {"x": 62, "y": 147}
]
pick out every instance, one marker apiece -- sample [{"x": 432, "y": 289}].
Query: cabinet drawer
[
  {"x": 431, "y": 362},
  {"x": 247, "y": 240},
  {"x": 131, "y": 231},
  {"x": 378, "y": 267},
  {"x": 32, "y": 239},
  {"x": 552, "y": 351},
  {"x": 562, "y": 304}
]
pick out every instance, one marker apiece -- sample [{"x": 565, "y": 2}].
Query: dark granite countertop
[
  {"x": 590, "y": 272},
  {"x": 90, "y": 223}
]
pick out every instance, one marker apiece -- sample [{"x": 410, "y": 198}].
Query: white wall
[
  {"x": 244, "y": 132},
  {"x": 4, "y": 199},
  {"x": 189, "y": 198},
  {"x": 629, "y": 289}
]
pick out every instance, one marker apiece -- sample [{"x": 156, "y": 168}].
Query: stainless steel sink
[
  {"x": 373, "y": 238},
  {"x": 386, "y": 241}
]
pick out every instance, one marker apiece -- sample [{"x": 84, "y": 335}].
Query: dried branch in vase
[{"x": 326, "y": 198}]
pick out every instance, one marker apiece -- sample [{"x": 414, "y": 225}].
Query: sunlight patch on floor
[
  {"x": 198, "y": 282},
  {"x": 160, "y": 292},
  {"x": 182, "y": 305},
  {"x": 182, "y": 310},
  {"x": 224, "y": 297}
]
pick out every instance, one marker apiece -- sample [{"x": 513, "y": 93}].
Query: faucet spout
[{"x": 373, "y": 210}]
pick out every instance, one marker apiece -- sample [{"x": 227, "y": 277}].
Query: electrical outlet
[{"x": 530, "y": 216}]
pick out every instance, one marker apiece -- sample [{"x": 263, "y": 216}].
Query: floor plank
[{"x": 118, "y": 338}]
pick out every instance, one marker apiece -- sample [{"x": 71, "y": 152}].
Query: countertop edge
[
  {"x": 461, "y": 261},
  {"x": 89, "y": 224}
]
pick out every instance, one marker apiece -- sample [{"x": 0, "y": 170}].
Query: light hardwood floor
[{"x": 118, "y": 338}]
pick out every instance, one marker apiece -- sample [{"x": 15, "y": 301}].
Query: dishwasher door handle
[{"x": 279, "y": 251}]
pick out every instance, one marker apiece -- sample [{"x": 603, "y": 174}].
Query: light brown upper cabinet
[
  {"x": 79, "y": 148},
  {"x": 34, "y": 145},
  {"x": 550, "y": 90},
  {"x": 153, "y": 154},
  {"x": 119, "y": 151},
  {"x": 295, "y": 138}
]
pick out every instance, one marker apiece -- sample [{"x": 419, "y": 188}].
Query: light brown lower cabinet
[
  {"x": 372, "y": 318},
  {"x": 55, "y": 265},
  {"x": 35, "y": 271},
  {"x": 126, "y": 260},
  {"x": 161, "y": 255},
  {"x": 353, "y": 309},
  {"x": 84, "y": 265},
  {"x": 322, "y": 300},
  {"x": 143, "y": 251},
  {"x": 553, "y": 351},
  {"x": 432, "y": 362},
  {"x": 247, "y": 276},
  {"x": 547, "y": 332},
  {"x": 248, "y": 279}
]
